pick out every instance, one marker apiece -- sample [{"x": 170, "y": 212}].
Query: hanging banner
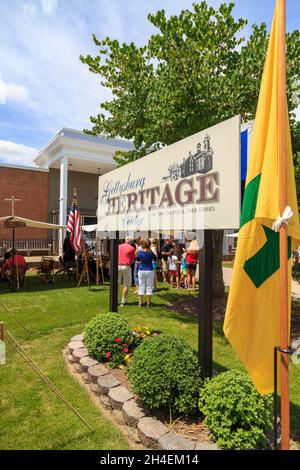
[{"x": 193, "y": 184}]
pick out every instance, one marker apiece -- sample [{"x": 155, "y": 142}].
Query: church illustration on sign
[{"x": 200, "y": 162}]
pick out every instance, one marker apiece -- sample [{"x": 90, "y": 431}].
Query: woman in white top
[{"x": 137, "y": 265}]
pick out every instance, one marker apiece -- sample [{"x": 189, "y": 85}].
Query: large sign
[{"x": 191, "y": 185}]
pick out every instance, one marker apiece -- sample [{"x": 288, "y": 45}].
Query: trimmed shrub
[
  {"x": 107, "y": 338},
  {"x": 164, "y": 373},
  {"x": 236, "y": 414}
]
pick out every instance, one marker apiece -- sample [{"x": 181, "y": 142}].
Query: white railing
[{"x": 28, "y": 246}]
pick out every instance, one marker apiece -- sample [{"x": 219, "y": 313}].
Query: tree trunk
[{"x": 218, "y": 282}]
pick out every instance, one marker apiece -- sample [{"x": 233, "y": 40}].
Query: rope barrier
[
  {"x": 21, "y": 351},
  {"x": 15, "y": 318}
]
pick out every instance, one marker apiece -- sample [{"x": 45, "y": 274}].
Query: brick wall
[{"x": 32, "y": 188}]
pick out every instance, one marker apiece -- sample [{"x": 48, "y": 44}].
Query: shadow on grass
[
  {"x": 63, "y": 443},
  {"x": 295, "y": 421},
  {"x": 33, "y": 284}
]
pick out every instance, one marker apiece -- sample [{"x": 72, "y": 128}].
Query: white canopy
[
  {"x": 12, "y": 221},
  {"x": 233, "y": 235},
  {"x": 89, "y": 228}
]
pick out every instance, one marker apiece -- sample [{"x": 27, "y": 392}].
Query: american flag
[{"x": 74, "y": 227}]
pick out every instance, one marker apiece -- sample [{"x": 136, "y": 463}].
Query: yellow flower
[{"x": 127, "y": 357}]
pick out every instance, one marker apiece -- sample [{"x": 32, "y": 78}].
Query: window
[{"x": 89, "y": 220}]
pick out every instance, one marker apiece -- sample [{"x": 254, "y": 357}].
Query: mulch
[
  {"x": 189, "y": 307},
  {"x": 191, "y": 427}
]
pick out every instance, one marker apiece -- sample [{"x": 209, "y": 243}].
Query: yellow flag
[{"x": 252, "y": 322}]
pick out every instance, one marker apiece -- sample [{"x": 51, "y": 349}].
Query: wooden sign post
[
  {"x": 284, "y": 298},
  {"x": 114, "y": 287},
  {"x": 13, "y": 200}
]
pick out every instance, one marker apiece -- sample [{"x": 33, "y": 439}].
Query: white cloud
[
  {"x": 9, "y": 92},
  {"x": 13, "y": 153},
  {"x": 49, "y": 6},
  {"x": 45, "y": 57},
  {"x": 30, "y": 9},
  {"x": 298, "y": 113}
]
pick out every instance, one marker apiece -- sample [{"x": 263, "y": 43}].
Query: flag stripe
[
  {"x": 250, "y": 200},
  {"x": 73, "y": 226}
]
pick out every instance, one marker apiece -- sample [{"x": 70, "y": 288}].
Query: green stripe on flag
[
  {"x": 250, "y": 200},
  {"x": 266, "y": 261}
]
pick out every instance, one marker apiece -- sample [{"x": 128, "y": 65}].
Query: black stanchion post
[
  {"x": 113, "y": 292},
  {"x": 275, "y": 399},
  {"x": 205, "y": 306}
]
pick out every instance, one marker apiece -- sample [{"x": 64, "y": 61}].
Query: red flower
[
  {"x": 125, "y": 350},
  {"x": 108, "y": 354},
  {"x": 118, "y": 340}
]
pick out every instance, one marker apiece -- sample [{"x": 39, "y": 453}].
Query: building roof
[
  {"x": 22, "y": 167},
  {"x": 85, "y": 153}
]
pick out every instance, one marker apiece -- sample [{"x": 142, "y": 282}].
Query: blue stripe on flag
[{"x": 244, "y": 154}]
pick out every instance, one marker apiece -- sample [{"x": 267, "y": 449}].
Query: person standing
[
  {"x": 173, "y": 268},
  {"x": 165, "y": 252},
  {"x": 183, "y": 278},
  {"x": 68, "y": 252},
  {"x": 146, "y": 272},
  {"x": 138, "y": 248},
  {"x": 155, "y": 251},
  {"x": 192, "y": 259},
  {"x": 126, "y": 258}
]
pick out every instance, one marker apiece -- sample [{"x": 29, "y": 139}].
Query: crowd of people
[{"x": 141, "y": 260}]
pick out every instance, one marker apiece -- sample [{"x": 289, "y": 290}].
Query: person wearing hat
[
  {"x": 126, "y": 258},
  {"x": 192, "y": 259}
]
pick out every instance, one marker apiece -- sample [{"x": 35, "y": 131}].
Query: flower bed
[
  {"x": 109, "y": 339},
  {"x": 164, "y": 386},
  {"x": 146, "y": 426}
]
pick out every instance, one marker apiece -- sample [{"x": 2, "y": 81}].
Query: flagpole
[{"x": 282, "y": 140}]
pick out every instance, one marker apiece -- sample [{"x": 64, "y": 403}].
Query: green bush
[
  {"x": 108, "y": 338},
  {"x": 164, "y": 373},
  {"x": 237, "y": 416}
]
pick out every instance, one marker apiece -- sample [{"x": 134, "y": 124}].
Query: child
[
  {"x": 183, "y": 269},
  {"x": 173, "y": 268}
]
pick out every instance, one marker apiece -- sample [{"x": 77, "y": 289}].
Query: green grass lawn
[{"x": 31, "y": 417}]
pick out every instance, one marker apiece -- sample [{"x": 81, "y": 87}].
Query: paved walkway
[{"x": 227, "y": 274}]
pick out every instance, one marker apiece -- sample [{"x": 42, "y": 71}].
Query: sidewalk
[{"x": 227, "y": 274}]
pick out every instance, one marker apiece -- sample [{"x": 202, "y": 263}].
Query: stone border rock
[{"x": 126, "y": 409}]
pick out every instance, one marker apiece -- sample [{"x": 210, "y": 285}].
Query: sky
[{"x": 43, "y": 84}]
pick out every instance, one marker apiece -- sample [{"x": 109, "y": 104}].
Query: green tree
[{"x": 197, "y": 71}]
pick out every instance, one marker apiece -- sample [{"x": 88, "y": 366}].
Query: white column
[{"x": 63, "y": 200}]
